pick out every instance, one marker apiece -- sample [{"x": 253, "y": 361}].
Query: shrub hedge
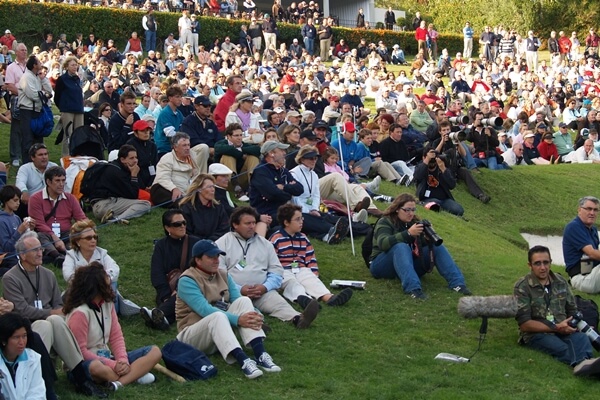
[{"x": 29, "y": 22}]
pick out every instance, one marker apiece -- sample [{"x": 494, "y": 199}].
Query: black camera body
[
  {"x": 430, "y": 234},
  {"x": 579, "y": 323}
]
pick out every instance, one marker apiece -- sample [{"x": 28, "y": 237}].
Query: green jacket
[
  {"x": 533, "y": 303},
  {"x": 387, "y": 234}
]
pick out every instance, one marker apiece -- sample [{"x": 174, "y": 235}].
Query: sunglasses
[
  {"x": 89, "y": 238},
  {"x": 178, "y": 224}
]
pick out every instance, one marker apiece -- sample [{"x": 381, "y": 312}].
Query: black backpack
[
  {"x": 367, "y": 244},
  {"x": 589, "y": 309},
  {"x": 90, "y": 179}
]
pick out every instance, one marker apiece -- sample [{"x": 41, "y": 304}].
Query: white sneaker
[
  {"x": 16, "y": 163},
  {"x": 373, "y": 186},
  {"x": 361, "y": 216},
  {"x": 244, "y": 198},
  {"x": 146, "y": 379}
]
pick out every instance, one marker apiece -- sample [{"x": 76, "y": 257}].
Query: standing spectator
[
  {"x": 468, "y": 40},
  {"x": 150, "y": 26},
  {"x": 591, "y": 43},
  {"x": 185, "y": 28},
  {"x": 269, "y": 29},
  {"x": 553, "y": 48},
  {"x": 309, "y": 33},
  {"x": 14, "y": 72},
  {"x": 485, "y": 40},
  {"x": 421, "y": 38},
  {"x": 360, "y": 19},
  {"x": 389, "y": 19},
  {"x": 195, "y": 26},
  {"x": 416, "y": 22},
  {"x": 48, "y": 45},
  {"x": 255, "y": 33},
  {"x": 8, "y": 40},
  {"x": 532, "y": 44},
  {"x": 325, "y": 35},
  {"x": 30, "y": 103},
  {"x": 564, "y": 45},
  {"x": 432, "y": 36},
  {"x": 68, "y": 97}
]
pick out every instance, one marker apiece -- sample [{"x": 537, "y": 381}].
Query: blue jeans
[
  {"x": 569, "y": 349},
  {"x": 150, "y": 40},
  {"x": 448, "y": 205},
  {"x": 132, "y": 356},
  {"x": 309, "y": 44},
  {"x": 468, "y": 158},
  {"x": 398, "y": 262},
  {"x": 490, "y": 162}
]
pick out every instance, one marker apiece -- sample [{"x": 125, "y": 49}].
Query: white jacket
[
  {"x": 29, "y": 384},
  {"x": 74, "y": 259}
]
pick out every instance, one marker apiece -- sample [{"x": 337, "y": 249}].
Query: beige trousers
[{"x": 58, "y": 339}]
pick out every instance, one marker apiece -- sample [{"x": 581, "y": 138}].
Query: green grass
[{"x": 382, "y": 344}]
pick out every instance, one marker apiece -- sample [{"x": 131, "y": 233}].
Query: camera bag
[{"x": 589, "y": 309}]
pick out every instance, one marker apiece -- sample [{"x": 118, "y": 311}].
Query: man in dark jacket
[
  {"x": 115, "y": 195},
  {"x": 146, "y": 152},
  {"x": 236, "y": 155},
  {"x": 203, "y": 131},
  {"x": 272, "y": 185},
  {"x": 434, "y": 182},
  {"x": 121, "y": 122}
]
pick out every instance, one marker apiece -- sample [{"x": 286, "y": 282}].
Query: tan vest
[{"x": 211, "y": 287}]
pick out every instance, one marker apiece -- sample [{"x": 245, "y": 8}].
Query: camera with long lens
[
  {"x": 578, "y": 322},
  {"x": 457, "y": 136},
  {"x": 431, "y": 234},
  {"x": 494, "y": 121},
  {"x": 460, "y": 120}
]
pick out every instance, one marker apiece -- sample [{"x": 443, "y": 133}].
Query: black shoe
[
  {"x": 339, "y": 231},
  {"x": 159, "y": 320},
  {"x": 484, "y": 198},
  {"x": 341, "y": 298},
  {"x": 462, "y": 289},
  {"x": 418, "y": 294},
  {"x": 89, "y": 388},
  {"x": 303, "y": 301},
  {"x": 308, "y": 316}
]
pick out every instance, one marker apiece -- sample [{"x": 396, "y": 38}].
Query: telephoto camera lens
[{"x": 431, "y": 234}]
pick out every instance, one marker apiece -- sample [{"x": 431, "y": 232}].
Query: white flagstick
[{"x": 340, "y": 138}]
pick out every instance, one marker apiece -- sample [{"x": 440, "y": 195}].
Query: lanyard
[
  {"x": 101, "y": 323},
  {"x": 547, "y": 290},
  {"x": 37, "y": 280},
  {"x": 244, "y": 250},
  {"x": 310, "y": 185}
]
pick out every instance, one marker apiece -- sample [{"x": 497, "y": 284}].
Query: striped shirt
[{"x": 294, "y": 249}]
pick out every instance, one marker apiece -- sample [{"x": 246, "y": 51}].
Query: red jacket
[
  {"x": 421, "y": 34},
  {"x": 547, "y": 149},
  {"x": 223, "y": 108}
]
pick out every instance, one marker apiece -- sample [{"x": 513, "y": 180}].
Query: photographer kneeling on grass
[
  {"x": 403, "y": 248},
  {"x": 545, "y": 312}
]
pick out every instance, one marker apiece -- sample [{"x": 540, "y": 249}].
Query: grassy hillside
[{"x": 382, "y": 344}]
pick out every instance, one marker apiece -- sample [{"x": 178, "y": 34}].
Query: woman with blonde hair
[{"x": 205, "y": 216}]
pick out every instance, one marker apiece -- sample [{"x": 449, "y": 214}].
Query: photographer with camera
[
  {"x": 406, "y": 248},
  {"x": 485, "y": 141},
  {"x": 545, "y": 309},
  {"x": 451, "y": 144},
  {"x": 435, "y": 180}
]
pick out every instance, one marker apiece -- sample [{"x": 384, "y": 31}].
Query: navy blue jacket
[
  {"x": 200, "y": 131},
  {"x": 68, "y": 95},
  {"x": 265, "y": 196}
]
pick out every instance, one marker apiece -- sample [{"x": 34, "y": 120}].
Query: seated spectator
[
  {"x": 11, "y": 226},
  {"x": 222, "y": 176},
  {"x": 174, "y": 172},
  {"x": 301, "y": 283},
  {"x": 514, "y": 155},
  {"x": 121, "y": 122},
  {"x": 30, "y": 177},
  {"x": 353, "y": 165},
  {"x": 114, "y": 196},
  {"x": 21, "y": 366},
  {"x": 586, "y": 154},
  {"x": 203, "y": 132},
  {"x": 378, "y": 167},
  {"x": 210, "y": 306},
  {"x": 168, "y": 121},
  {"x": 91, "y": 292},
  {"x": 531, "y": 155},
  {"x": 237, "y": 155},
  {"x": 420, "y": 118},
  {"x": 53, "y": 211},
  {"x": 548, "y": 150},
  {"x": 147, "y": 154},
  {"x": 241, "y": 113},
  {"x": 206, "y": 217},
  {"x": 171, "y": 254}
]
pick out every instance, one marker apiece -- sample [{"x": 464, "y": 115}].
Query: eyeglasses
[
  {"x": 408, "y": 210},
  {"x": 178, "y": 224},
  {"x": 89, "y": 238},
  {"x": 106, "y": 109},
  {"x": 590, "y": 209},
  {"x": 298, "y": 219},
  {"x": 545, "y": 263}
]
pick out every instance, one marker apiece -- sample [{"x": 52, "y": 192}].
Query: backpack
[
  {"x": 589, "y": 309},
  {"x": 90, "y": 179},
  {"x": 367, "y": 244},
  {"x": 187, "y": 361}
]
